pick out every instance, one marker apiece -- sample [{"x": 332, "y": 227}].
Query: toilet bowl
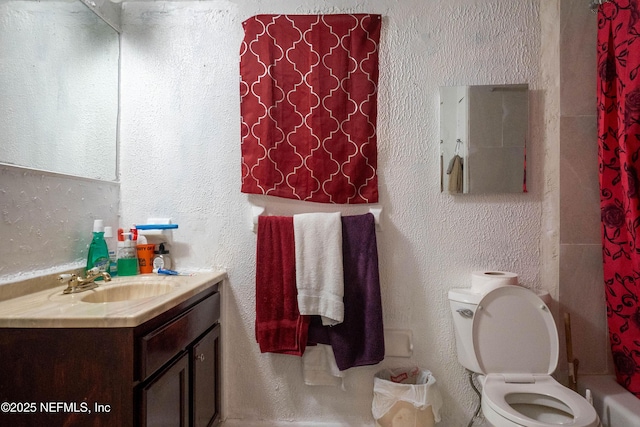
[
  {"x": 508, "y": 335},
  {"x": 540, "y": 404}
]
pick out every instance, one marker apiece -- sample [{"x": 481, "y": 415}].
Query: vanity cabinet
[
  {"x": 165, "y": 399},
  {"x": 165, "y": 371},
  {"x": 184, "y": 392}
]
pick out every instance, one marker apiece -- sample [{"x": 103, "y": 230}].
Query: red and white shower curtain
[{"x": 619, "y": 157}]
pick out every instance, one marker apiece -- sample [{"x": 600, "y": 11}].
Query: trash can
[{"x": 405, "y": 397}]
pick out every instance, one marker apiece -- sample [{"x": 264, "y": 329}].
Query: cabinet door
[
  {"x": 165, "y": 400},
  {"x": 206, "y": 379}
]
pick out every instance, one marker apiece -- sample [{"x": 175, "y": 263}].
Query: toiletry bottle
[
  {"x": 127, "y": 256},
  {"x": 98, "y": 252},
  {"x": 113, "y": 261},
  {"x": 120, "y": 245},
  {"x": 162, "y": 259}
]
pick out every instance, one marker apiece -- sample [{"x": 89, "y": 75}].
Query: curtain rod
[{"x": 596, "y": 3}]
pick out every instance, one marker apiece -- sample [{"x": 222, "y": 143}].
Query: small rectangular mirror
[{"x": 483, "y": 138}]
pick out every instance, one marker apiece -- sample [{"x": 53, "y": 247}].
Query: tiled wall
[
  {"x": 581, "y": 290},
  {"x": 47, "y": 220}
]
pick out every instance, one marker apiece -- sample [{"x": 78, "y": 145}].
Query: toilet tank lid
[
  {"x": 464, "y": 295},
  {"x": 468, "y": 296}
]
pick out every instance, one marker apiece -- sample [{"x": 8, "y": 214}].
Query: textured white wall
[{"x": 181, "y": 158}]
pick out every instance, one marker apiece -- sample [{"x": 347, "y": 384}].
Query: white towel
[
  {"x": 319, "y": 274},
  {"x": 319, "y": 367}
]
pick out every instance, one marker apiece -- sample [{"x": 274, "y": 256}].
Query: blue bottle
[{"x": 98, "y": 251}]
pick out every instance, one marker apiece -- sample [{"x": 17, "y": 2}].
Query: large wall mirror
[
  {"x": 59, "y": 88},
  {"x": 483, "y": 138}
]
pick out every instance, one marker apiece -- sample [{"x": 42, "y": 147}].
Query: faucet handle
[
  {"x": 71, "y": 280},
  {"x": 93, "y": 271},
  {"x": 66, "y": 278}
]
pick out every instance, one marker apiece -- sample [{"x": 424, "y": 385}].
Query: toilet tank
[{"x": 463, "y": 305}]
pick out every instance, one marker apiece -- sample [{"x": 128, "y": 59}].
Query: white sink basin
[{"x": 126, "y": 292}]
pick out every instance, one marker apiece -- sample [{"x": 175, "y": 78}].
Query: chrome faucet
[{"x": 79, "y": 284}]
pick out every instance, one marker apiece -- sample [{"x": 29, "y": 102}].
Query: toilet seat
[
  {"x": 545, "y": 392},
  {"x": 515, "y": 342}
]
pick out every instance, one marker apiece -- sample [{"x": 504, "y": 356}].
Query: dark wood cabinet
[
  {"x": 186, "y": 391},
  {"x": 165, "y": 400},
  {"x": 163, "y": 372},
  {"x": 205, "y": 379}
]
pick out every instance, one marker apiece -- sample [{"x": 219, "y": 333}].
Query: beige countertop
[{"x": 50, "y": 308}]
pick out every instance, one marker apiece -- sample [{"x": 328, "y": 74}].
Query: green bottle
[{"x": 98, "y": 252}]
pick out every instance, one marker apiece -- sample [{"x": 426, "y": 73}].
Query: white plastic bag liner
[{"x": 413, "y": 385}]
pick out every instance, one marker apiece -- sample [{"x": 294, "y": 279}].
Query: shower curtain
[{"x": 618, "y": 61}]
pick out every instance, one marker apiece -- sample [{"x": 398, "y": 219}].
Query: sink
[
  {"x": 127, "y": 292},
  {"x": 125, "y": 301}
]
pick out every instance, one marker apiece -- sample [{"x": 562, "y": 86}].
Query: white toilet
[{"x": 508, "y": 335}]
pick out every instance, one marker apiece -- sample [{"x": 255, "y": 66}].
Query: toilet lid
[{"x": 514, "y": 333}]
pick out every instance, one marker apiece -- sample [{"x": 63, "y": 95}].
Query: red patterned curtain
[
  {"x": 309, "y": 107},
  {"x": 619, "y": 150}
]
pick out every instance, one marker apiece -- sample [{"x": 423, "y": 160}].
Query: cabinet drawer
[{"x": 161, "y": 345}]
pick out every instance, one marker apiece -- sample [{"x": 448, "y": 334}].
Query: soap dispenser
[
  {"x": 127, "y": 256},
  {"x": 98, "y": 256}
]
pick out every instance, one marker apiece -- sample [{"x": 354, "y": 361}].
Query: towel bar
[{"x": 257, "y": 211}]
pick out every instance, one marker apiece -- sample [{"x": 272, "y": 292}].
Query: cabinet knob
[{"x": 200, "y": 357}]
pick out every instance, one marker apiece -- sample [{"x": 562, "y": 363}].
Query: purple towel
[{"x": 359, "y": 339}]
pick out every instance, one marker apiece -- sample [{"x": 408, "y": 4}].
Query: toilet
[{"x": 509, "y": 337}]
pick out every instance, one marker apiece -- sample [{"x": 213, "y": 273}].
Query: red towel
[{"x": 279, "y": 326}]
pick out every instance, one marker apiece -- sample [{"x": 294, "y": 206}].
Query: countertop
[{"x": 50, "y": 308}]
